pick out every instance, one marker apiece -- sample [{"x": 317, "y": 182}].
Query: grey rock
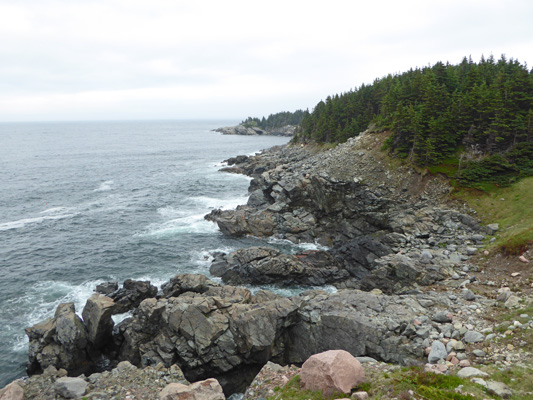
[
  {"x": 60, "y": 341},
  {"x": 442, "y": 317},
  {"x": 263, "y": 265},
  {"x": 469, "y": 372},
  {"x": 70, "y": 388},
  {"x": 107, "y": 287},
  {"x": 469, "y": 295},
  {"x": 182, "y": 283},
  {"x": 493, "y": 228},
  {"x": 479, "y": 353},
  {"x": 97, "y": 318},
  {"x": 438, "y": 352},
  {"x": 473, "y": 337},
  {"x": 131, "y": 295},
  {"x": 499, "y": 389},
  {"x": 426, "y": 256},
  {"x": 470, "y": 251}
]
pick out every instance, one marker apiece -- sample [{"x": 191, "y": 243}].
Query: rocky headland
[
  {"x": 411, "y": 288},
  {"x": 286, "y": 130}
]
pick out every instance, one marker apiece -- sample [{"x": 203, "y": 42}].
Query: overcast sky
[{"x": 158, "y": 59}]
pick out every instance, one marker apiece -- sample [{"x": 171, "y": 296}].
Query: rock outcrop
[
  {"x": 287, "y": 130},
  {"x": 60, "y": 341},
  {"x": 264, "y": 265}
]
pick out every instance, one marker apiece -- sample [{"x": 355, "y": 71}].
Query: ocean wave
[
  {"x": 104, "y": 186},
  {"x": 185, "y": 225},
  {"x": 213, "y": 202},
  {"x": 40, "y": 301},
  {"x": 21, "y": 223}
]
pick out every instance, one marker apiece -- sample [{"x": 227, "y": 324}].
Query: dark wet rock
[
  {"x": 263, "y": 265},
  {"x": 358, "y": 255},
  {"x": 182, "y": 283},
  {"x": 397, "y": 273},
  {"x": 131, "y": 295},
  {"x": 107, "y": 287}
]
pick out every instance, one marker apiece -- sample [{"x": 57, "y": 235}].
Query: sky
[{"x": 140, "y": 60}]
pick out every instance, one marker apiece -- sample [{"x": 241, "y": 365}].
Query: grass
[
  {"x": 399, "y": 382},
  {"x": 448, "y": 167},
  {"x": 395, "y": 384},
  {"x": 514, "y": 214},
  {"x": 292, "y": 391}
]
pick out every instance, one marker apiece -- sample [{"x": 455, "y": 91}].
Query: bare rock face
[
  {"x": 263, "y": 265},
  {"x": 60, "y": 341},
  {"x": 331, "y": 371},
  {"x": 213, "y": 333},
  {"x": 97, "y": 318}
]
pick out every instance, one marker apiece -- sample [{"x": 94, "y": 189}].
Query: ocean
[{"x": 87, "y": 202}]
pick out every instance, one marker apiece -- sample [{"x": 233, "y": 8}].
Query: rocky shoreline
[
  {"x": 287, "y": 130},
  {"x": 401, "y": 259}
]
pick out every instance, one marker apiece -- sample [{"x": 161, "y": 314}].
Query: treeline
[
  {"x": 480, "y": 110},
  {"x": 275, "y": 120}
]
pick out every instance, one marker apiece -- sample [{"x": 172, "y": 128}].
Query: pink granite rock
[
  {"x": 13, "y": 391},
  {"x": 331, "y": 371},
  {"x": 209, "y": 389}
]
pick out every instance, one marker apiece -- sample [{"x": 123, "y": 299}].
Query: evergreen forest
[
  {"x": 274, "y": 121},
  {"x": 474, "y": 118}
]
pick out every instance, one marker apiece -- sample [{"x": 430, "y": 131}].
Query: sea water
[{"x": 86, "y": 202}]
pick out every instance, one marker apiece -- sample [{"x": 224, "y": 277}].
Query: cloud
[{"x": 140, "y": 59}]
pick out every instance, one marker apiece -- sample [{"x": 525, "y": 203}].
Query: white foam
[
  {"x": 21, "y": 223},
  {"x": 104, "y": 186},
  {"x": 41, "y": 300},
  {"x": 178, "y": 226},
  {"x": 297, "y": 246},
  {"x": 118, "y": 318},
  {"x": 224, "y": 204},
  {"x": 57, "y": 210}
]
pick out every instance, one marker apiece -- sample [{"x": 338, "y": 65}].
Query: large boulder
[
  {"x": 97, "y": 315},
  {"x": 70, "y": 388},
  {"x": 60, "y": 341},
  {"x": 333, "y": 371},
  {"x": 13, "y": 391}
]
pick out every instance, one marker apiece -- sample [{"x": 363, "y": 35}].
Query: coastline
[{"x": 394, "y": 252}]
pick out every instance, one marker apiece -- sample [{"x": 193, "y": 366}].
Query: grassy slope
[{"x": 511, "y": 207}]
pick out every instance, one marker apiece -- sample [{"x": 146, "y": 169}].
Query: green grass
[
  {"x": 292, "y": 391},
  {"x": 448, "y": 167},
  {"x": 514, "y": 213}
]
